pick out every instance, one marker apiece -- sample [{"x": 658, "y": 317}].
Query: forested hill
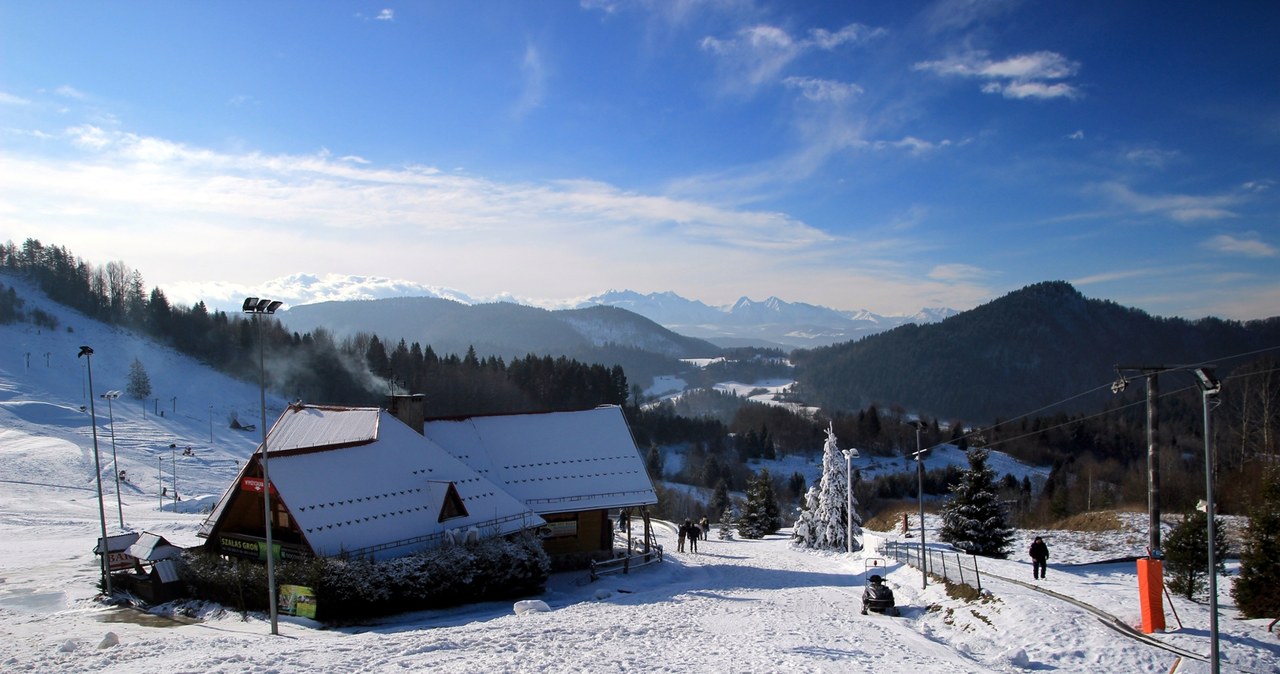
[{"x": 1033, "y": 347}]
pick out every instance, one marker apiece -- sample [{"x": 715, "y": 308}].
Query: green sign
[{"x": 298, "y": 600}]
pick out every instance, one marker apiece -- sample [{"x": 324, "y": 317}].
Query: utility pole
[{"x": 1152, "y": 375}]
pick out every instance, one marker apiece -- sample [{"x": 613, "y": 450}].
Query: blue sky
[{"x": 887, "y": 156}]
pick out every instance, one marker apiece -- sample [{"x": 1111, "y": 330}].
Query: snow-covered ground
[{"x": 737, "y": 605}]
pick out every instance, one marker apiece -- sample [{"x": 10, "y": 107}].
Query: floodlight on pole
[
  {"x": 87, "y": 352},
  {"x": 1210, "y": 386},
  {"x": 258, "y": 308},
  {"x": 110, "y": 396},
  {"x": 848, "y": 464}
]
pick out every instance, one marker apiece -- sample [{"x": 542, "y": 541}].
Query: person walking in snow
[
  {"x": 694, "y": 534},
  {"x": 684, "y": 533},
  {"x": 1039, "y": 558},
  {"x": 705, "y": 526}
]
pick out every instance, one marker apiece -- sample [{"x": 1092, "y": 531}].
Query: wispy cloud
[
  {"x": 68, "y": 91},
  {"x": 534, "y": 86},
  {"x": 307, "y": 207},
  {"x": 10, "y": 99},
  {"x": 757, "y": 55},
  {"x": 958, "y": 273},
  {"x": 816, "y": 89},
  {"x": 1180, "y": 207},
  {"x": 385, "y": 15},
  {"x": 1250, "y": 245},
  {"x": 1033, "y": 75}
]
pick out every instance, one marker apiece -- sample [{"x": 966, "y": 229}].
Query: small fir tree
[
  {"x": 1186, "y": 555},
  {"x": 824, "y": 520},
  {"x": 1254, "y": 589},
  {"x": 139, "y": 387},
  {"x": 727, "y": 521},
  {"x": 761, "y": 515},
  {"x": 975, "y": 520}
]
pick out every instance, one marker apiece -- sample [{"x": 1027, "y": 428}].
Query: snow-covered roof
[
  {"x": 555, "y": 461},
  {"x": 313, "y": 426},
  {"x": 382, "y": 495},
  {"x": 151, "y": 547}
]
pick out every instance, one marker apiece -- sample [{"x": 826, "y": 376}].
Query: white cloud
[
  {"x": 535, "y": 83},
  {"x": 68, "y": 91},
  {"x": 1249, "y": 246},
  {"x": 1031, "y": 75},
  {"x": 10, "y": 99},
  {"x": 757, "y": 55},
  {"x": 1180, "y": 207},
  {"x": 958, "y": 273},
  {"x": 816, "y": 89},
  {"x": 1152, "y": 157},
  {"x": 385, "y": 15},
  {"x": 1078, "y": 134},
  {"x": 89, "y": 136}
]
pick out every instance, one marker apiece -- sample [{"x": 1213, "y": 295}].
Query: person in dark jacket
[{"x": 1039, "y": 558}]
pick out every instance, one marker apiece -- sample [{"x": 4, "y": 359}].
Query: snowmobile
[{"x": 877, "y": 597}]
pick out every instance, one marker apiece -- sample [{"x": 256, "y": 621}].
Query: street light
[
  {"x": 1210, "y": 386},
  {"x": 848, "y": 464},
  {"x": 112, "y": 395},
  {"x": 260, "y": 308},
  {"x": 97, "y": 464},
  {"x": 924, "y": 564}
]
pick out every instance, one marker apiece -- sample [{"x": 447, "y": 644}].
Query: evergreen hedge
[{"x": 348, "y": 588}]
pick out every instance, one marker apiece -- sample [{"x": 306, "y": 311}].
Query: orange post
[{"x": 1150, "y": 587}]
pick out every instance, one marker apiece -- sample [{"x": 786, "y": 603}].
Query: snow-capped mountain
[{"x": 771, "y": 322}]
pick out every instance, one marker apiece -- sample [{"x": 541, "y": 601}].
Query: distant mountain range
[{"x": 771, "y": 323}]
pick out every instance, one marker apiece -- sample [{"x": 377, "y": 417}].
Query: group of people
[{"x": 692, "y": 531}]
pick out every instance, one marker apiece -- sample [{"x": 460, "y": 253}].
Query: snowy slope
[{"x": 738, "y": 605}]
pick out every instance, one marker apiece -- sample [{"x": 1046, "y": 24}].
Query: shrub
[{"x": 348, "y": 588}]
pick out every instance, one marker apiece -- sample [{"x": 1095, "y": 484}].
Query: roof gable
[
  {"x": 555, "y": 461},
  {"x": 383, "y": 496}
]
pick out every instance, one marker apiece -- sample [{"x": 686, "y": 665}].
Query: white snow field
[{"x": 736, "y": 606}]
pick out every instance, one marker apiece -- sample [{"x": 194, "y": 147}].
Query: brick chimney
[{"x": 411, "y": 408}]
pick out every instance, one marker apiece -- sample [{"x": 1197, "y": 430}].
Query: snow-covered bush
[{"x": 355, "y": 587}]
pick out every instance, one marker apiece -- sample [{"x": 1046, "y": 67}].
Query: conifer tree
[
  {"x": 727, "y": 521},
  {"x": 761, "y": 515},
  {"x": 975, "y": 520},
  {"x": 1186, "y": 556},
  {"x": 720, "y": 501},
  {"x": 824, "y": 520},
  {"x": 139, "y": 387},
  {"x": 1254, "y": 589}
]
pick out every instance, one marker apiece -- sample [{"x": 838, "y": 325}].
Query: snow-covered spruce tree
[
  {"x": 727, "y": 520},
  {"x": 1255, "y": 588},
  {"x": 139, "y": 387},
  {"x": 974, "y": 520},
  {"x": 1186, "y": 557},
  {"x": 824, "y": 520},
  {"x": 761, "y": 515}
]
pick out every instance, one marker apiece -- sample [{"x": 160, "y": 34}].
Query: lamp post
[
  {"x": 112, "y": 395},
  {"x": 848, "y": 509},
  {"x": 1209, "y": 388},
  {"x": 924, "y": 564},
  {"x": 211, "y": 424},
  {"x": 260, "y": 308},
  {"x": 97, "y": 464}
]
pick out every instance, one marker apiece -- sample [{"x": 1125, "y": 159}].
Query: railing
[
  {"x": 626, "y": 562},
  {"x": 956, "y": 567}
]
